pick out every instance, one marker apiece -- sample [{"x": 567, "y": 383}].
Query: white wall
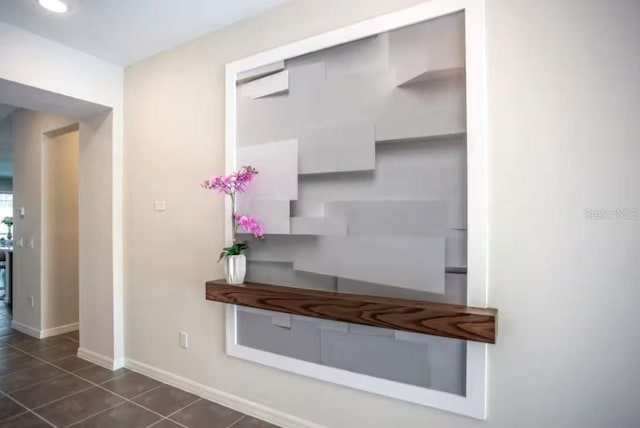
[
  {"x": 100, "y": 303},
  {"x": 563, "y": 86},
  {"x": 60, "y": 159},
  {"x": 100, "y": 287},
  {"x": 47, "y": 69},
  {"x": 29, "y": 128}
]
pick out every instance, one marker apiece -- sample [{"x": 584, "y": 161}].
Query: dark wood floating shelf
[{"x": 439, "y": 319}]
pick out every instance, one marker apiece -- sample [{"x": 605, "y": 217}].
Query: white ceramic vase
[{"x": 235, "y": 269}]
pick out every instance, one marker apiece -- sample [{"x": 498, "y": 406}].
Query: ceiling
[
  {"x": 5, "y": 110},
  {"x": 123, "y": 32}
]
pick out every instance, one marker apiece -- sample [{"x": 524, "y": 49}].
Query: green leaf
[{"x": 234, "y": 250}]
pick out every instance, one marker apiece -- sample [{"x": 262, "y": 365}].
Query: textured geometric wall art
[
  {"x": 362, "y": 155},
  {"x": 272, "y": 84}
]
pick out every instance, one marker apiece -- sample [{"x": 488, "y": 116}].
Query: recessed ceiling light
[{"x": 56, "y": 6}]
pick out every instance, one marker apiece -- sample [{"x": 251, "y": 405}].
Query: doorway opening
[
  {"x": 47, "y": 235},
  {"x": 60, "y": 231}
]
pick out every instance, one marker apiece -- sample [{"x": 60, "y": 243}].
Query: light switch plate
[
  {"x": 159, "y": 206},
  {"x": 184, "y": 340}
]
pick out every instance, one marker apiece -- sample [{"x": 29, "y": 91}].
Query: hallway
[{"x": 43, "y": 384}]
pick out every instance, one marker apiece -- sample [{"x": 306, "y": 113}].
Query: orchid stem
[{"x": 234, "y": 224}]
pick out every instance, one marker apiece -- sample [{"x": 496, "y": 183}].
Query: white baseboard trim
[
  {"x": 26, "y": 329},
  {"x": 100, "y": 360},
  {"x": 41, "y": 334},
  {"x": 48, "y": 332},
  {"x": 242, "y": 405}
]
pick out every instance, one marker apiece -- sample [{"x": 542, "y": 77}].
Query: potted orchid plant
[{"x": 235, "y": 266}]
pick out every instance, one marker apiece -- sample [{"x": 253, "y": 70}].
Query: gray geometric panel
[
  {"x": 364, "y": 56},
  {"x": 281, "y": 320},
  {"x": 393, "y": 218},
  {"x": 379, "y": 356},
  {"x": 446, "y": 360},
  {"x": 272, "y": 215},
  {"x": 455, "y": 290},
  {"x": 456, "y": 249},
  {"x": 274, "y": 84},
  {"x": 419, "y": 265},
  {"x": 304, "y": 80},
  {"x": 416, "y": 129},
  {"x": 416, "y": 359},
  {"x": 411, "y": 171},
  {"x": 277, "y": 318},
  {"x": 281, "y": 118},
  {"x": 351, "y": 99},
  {"x": 258, "y": 72},
  {"x": 436, "y": 74},
  {"x": 379, "y": 201},
  {"x": 301, "y": 340},
  {"x": 371, "y": 331},
  {"x": 279, "y": 248},
  {"x": 325, "y": 324},
  {"x": 265, "y": 119},
  {"x": 458, "y": 213},
  {"x": 436, "y": 45},
  {"x": 277, "y": 165},
  {"x": 282, "y": 273},
  {"x": 317, "y": 226},
  {"x": 355, "y": 142},
  {"x": 423, "y": 112}
]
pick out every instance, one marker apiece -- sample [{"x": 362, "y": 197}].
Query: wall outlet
[
  {"x": 184, "y": 340},
  {"x": 160, "y": 206},
  {"x": 31, "y": 301}
]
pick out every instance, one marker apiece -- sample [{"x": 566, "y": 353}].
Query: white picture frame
[{"x": 474, "y": 403}]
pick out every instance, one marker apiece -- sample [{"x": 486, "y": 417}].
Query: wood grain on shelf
[{"x": 439, "y": 319}]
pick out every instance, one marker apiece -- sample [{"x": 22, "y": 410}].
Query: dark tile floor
[{"x": 43, "y": 384}]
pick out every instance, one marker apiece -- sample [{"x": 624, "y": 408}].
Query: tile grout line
[
  {"x": 96, "y": 414},
  {"x": 60, "y": 398},
  {"x": 114, "y": 406},
  {"x": 111, "y": 407},
  {"x": 178, "y": 411},
  {"x": 241, "y": 418},
  {"x": 184, "y": 407},
  {"x": 34, "y": 384},
  {"x": 52, "y": 363},
  {"x": 134, "y": 403},
  {"x": 94, "y": 384},
  {"x": 45, "y": 380},
  {"x": 13, "y": 345},
  {"x": 109, "y": 391},
  {"x": 11, "y": 357},
  {"x": 28, "y": 410}
]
